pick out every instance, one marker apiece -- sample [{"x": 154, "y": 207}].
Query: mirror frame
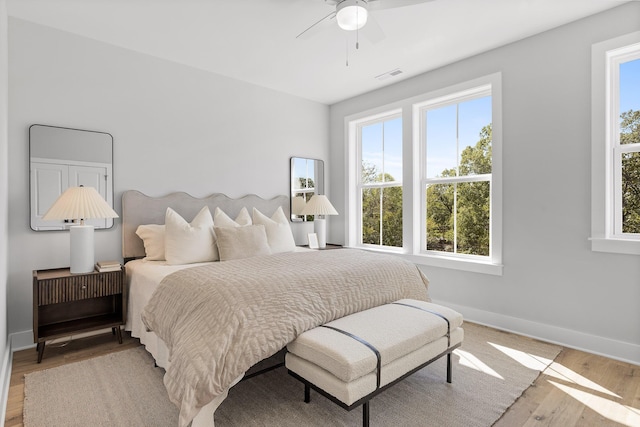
[
  {"x": 318, "y": 182},
  {"x": 94, "y": 159}
]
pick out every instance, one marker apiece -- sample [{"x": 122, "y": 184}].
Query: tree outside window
[
  {"x": 381, "y": 182},
  {"x": 627, "y": 150},
  {"x": 458, "y": 136}
]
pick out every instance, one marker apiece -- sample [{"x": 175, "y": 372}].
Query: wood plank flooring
[{"x": 579, "y": 389}]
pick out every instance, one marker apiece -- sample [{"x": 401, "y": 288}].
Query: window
[
  {"x": 380, "y": 181},
  {"x": 425, "y": 177},
  {"x": 303, "y": 179},
  {"x": 625, "y": 143},
  {"x": 456, "y": 166},
  {"x": 616, "y": 145}
]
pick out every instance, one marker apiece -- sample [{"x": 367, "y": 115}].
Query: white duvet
[{"x": 219, "y": 319}]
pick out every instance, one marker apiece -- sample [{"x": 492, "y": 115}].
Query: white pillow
[
  {"x": 221, "y": 219},
  {"x": 186, "y": 243},
  {"x": 241, "y": 242},
  {"x": 152, "y": 236},
  {"x": 279, "y": 233}
]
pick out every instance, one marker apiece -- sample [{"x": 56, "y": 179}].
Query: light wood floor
[{"x": 579, "y": 389}]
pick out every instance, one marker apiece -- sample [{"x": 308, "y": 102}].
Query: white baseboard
[
  {"x": 24, "y": 340},
  {"x": 5, "y": 379},
  {"x": 618, "y": 350},
  {"x": 21, "y": 340}
]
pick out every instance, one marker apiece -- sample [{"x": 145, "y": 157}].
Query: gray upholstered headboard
[{"x": 138, "y": 208}]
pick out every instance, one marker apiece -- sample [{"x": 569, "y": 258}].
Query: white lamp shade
[
  {"x": 80, "y": 203},
  {"x": 297, "y": 205},
  {"x": 319, "y": 205},
  {"x": 351, "y": 14}
]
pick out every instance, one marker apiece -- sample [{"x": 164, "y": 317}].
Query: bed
[{"x": 207, "y": 323}]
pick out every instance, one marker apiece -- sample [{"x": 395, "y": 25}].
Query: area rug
[{"x": 490, "y": 371}]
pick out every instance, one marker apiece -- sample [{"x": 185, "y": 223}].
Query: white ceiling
[{"x": 255, "y": 40}]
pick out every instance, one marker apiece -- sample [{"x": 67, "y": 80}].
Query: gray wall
[
  {"x": 553, "y": 285},
  {"x": 4, "y": 162},
  {"x": 174, "y": 128}
]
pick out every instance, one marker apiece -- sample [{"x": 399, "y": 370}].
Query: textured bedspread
[{"x": 220, "y": 319}]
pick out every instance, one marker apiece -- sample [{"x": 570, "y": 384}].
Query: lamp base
[
  {"x": 82, "y": 249},
  {"x": 320, "y": 228}
]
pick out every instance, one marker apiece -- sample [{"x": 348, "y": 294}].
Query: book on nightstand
[{"x": 103, "y": 266}]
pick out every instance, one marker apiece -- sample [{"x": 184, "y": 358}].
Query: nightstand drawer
[{"x": 78, "y": 287}]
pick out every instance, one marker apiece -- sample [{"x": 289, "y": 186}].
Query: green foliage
[
  {"x": 306, "y": 182},
  {"x": 630, "y": 127},
  {"x": 440, "y": 216},
  {"x": 392, "y": 216},
  {"x": 476, "y": 160},
  {"x": 472, "y": 210},
  {"x": 371, "y": 216},
  {"x": 387, "y": 232},
  {"x": 468, "y": 203},
  {"x": 630, "y": 134}
]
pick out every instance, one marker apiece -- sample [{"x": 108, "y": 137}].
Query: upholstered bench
[{"x": 354, "y": 358}]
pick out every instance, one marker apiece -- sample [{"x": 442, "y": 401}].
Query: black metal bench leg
[
  {"x": 449, "y": 368},
  {"x": 307, "y": 393},
  {"x": 365, "y": 414},
  {"x": 40, "y": 348}
]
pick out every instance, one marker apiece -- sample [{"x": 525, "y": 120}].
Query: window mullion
[
  {"x": 454, "y": 179},
  {"x": 380, "y": 220}
]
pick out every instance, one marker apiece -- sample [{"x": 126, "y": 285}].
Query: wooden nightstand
[
  {"x": 332, "y": 246},
  {"x": 65, "y": 303}
]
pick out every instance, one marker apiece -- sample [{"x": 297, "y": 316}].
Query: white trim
[
  {"x": 411, "y": 175},
  {"x": 21, "y": 340},
  {"x": 381, "y": 118},
  {"x": 470, "y": 264},
  {"x": 614, "y": 349},
  {"x": 5, "y": 378},
  {"x": 616, "y": 246},
  {"x": 603, "y": 234},
  {"x": 24, "y": 340}
]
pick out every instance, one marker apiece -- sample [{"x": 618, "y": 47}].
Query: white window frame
[
  {"x": 412, "y": 191},
  {"x": 360, "y": 186},
  {"x": 606, "y": 185},
  {"x": 422, "y": 108}
]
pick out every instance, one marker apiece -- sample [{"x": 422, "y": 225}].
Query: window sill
[
  {"x": 456, "y": 264},
  {"x": 446, "y": 262},
  {"x": 616, "y": 246}
]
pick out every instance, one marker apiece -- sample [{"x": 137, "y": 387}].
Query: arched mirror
[
  {"x": 62, "y": 157},
  {"x": 307, "y": 179}
]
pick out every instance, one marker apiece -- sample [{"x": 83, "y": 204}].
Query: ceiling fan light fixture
[{"x": 352, "y": 14}]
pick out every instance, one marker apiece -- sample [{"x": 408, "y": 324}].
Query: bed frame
[{"x": 138, "y": 209}]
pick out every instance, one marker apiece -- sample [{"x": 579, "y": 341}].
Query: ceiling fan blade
[
  {"x": 372, "y": 31},
  {"x": 389, "y": 4},
  {"x": 316, "y": 26}
]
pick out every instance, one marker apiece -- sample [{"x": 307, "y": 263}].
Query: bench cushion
[
  {"x": 351, "y": 392},
  {"x": 394, "y": 330}
]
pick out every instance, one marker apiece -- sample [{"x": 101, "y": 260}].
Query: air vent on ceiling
[{"x": 389, "y": 74}]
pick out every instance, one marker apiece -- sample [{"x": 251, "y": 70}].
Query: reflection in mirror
[
  {"x": 307, "y": 179},
  {"x": 60, "y": 158}
]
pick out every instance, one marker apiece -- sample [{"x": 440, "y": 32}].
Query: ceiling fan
[{"x": 352, "y": 15}]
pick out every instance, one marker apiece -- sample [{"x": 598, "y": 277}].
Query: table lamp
[
  {"x": 80, "y": 203},
  {"x": 319, "y": 205}
]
